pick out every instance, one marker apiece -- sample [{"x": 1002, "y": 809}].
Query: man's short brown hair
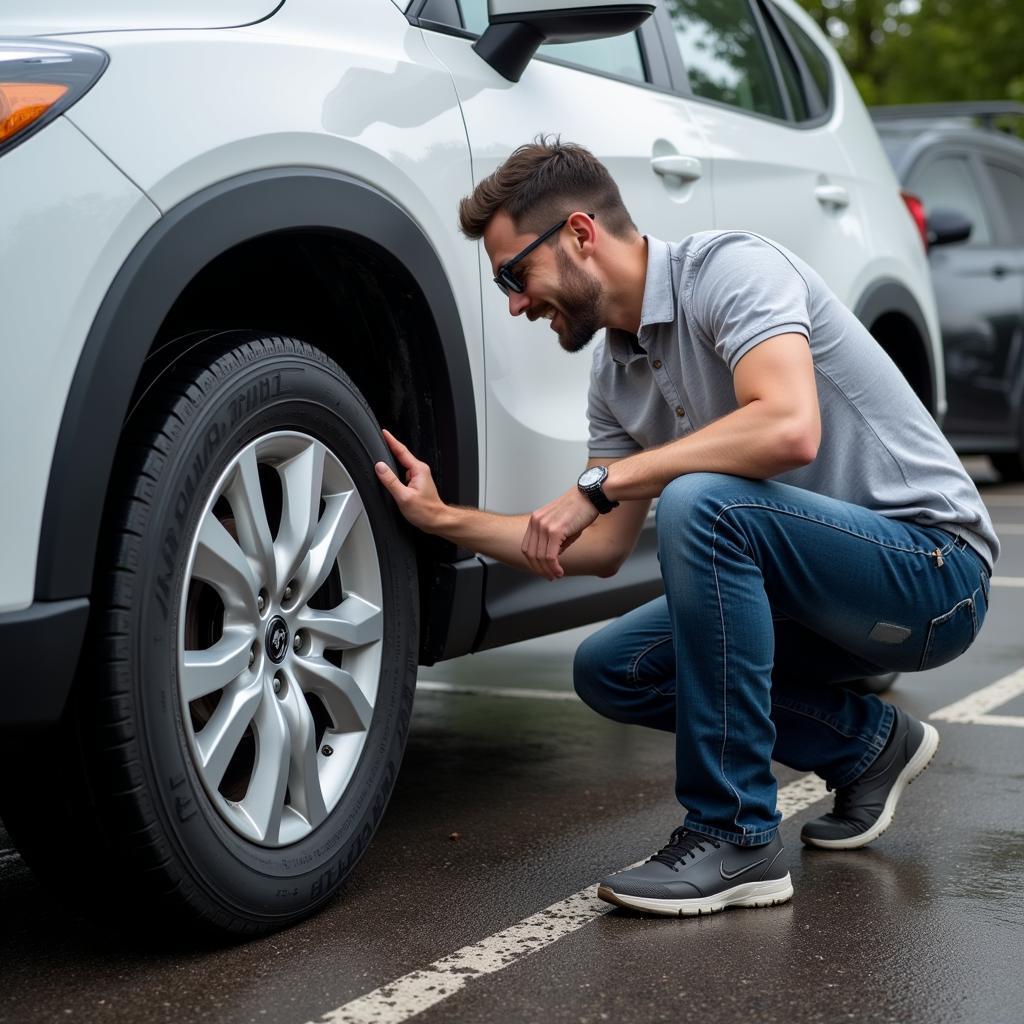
[{"x": 542, "y": 182}]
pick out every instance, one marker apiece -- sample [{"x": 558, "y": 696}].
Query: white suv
[{"x": 228, "y": 254}]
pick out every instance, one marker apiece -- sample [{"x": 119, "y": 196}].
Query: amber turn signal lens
[{"x": 21, "y": 103}]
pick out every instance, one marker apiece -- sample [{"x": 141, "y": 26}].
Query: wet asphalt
[{"x": 508, "y": 804}]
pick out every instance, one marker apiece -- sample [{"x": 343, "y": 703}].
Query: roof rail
[{"x": 985, "y": 110}]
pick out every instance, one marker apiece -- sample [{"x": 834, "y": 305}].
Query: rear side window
[
  {"x": 1010, "y": 186},
  {"x": 790, "y": 75},
  {"x": 619, "y": 55},
  {"x": 816, "y": 61},
  {"x": 725, "y": 57},
  {"x": 949, "y": 183}
]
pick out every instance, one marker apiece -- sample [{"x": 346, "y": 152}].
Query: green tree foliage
[{"x": 921, "y": 51}]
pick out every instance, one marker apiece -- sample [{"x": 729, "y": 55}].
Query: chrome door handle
[
  {"x": 832, "y": 195},
  {"x": 686, "y": 167}
]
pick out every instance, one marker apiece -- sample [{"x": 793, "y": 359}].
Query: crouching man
[{"x": 814, "y": 526}]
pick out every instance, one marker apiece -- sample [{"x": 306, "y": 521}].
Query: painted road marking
[
  {"x": 419, "y": 990},
  {"x": 483, "y": 691},
  {"x": 974, "y": 707},
  {"x": 1008, "y": 581}
]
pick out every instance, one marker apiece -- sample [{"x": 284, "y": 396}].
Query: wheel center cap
[{"x": 277, "y": 639}]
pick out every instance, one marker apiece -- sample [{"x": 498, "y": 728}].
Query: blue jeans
[{"x": 774, "y": 597}]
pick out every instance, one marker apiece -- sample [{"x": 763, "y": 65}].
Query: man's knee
[{"x": 691, "y": 495}]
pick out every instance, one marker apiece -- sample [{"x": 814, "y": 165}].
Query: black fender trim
[
  {"x": 887, "y": 295},
  {"x": 168, "y": 256},
  {"x": 42, "y": 644}
]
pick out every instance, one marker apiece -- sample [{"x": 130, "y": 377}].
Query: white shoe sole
[
  {"x": 749, "y": 894},
  {"x": 917, "y": 764}
]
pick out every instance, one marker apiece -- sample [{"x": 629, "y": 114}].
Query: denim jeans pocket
[{"x": 950, "y": 634}]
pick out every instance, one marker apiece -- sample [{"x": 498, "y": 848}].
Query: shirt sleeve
[
  {"x": 746, "y": 291},
  {"x": 608, "y": 438}
]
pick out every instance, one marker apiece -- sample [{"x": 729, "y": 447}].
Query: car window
[
  {"x": 1010, "y": 186},
  {"x": 948, "y": 182},
  {"x": 816, "y": 61},
  {"x": 619, "y": 55},
  {"x": 725, "y": 57},
  {"x": 790, "y": 73}
]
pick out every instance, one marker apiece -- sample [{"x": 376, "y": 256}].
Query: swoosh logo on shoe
[{"x": 729, "y": 875}]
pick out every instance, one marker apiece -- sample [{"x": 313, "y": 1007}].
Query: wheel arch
[
  {"x": 894, "y": 318},
  {"x": 138, "y": 306}
]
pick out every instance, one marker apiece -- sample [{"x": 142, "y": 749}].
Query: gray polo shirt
[{"x": 708, "y": 300}]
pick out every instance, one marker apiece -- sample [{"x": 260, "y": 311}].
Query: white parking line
[
  {"x": 419, "y": 990},
  {"x": 1008, "y": 581},
  {"x": 974, "y": 707},
  {"x": 483, "y": 691}
]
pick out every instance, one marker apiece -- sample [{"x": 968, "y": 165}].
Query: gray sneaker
[
  {"x": 864, "y": 809},
  {"x": 696, "y": 874}
]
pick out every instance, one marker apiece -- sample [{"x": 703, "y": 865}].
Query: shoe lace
[{"x": 681, "y": 845}]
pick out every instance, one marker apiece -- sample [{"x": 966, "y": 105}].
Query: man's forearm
[
  {"x": 751, "y": 442},
  {"x": 501, "y": 537}
]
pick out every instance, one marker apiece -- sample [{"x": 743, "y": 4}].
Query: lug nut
[
  {"x": 261, "y": 601},
  {"x": 297, "y": 642},
  {"x": 252, "y": 656},
  {"x": 277, "y": 684},
  {"x": 326, "y": 750},
  {"x": 287, "y": 593}
]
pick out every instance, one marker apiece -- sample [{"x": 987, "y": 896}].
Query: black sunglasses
[{"x": 506, "y": 280}]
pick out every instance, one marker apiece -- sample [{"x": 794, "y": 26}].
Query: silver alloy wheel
[{"x": 279, "y": 637}]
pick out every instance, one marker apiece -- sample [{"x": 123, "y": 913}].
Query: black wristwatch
[{"x": 591, "y": 483}]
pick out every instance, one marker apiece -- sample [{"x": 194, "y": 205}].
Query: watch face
[{"x": 592, "y": 476}]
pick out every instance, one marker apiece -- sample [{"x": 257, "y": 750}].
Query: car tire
[{"x": 254, "y": 580}]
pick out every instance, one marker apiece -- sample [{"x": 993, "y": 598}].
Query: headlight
[{"x": 39, "y": 81}]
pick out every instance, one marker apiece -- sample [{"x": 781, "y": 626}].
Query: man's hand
[
  {"x": 417, "y": 498},
  {"x": 553, "y": 528}
]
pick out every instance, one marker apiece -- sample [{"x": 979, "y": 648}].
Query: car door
[
  {"x": 762, "y": 97},
  {"x": 614, "y": 98},
  {"x": 978, "y": 302},
  {"x": 1006, "y": 178}
]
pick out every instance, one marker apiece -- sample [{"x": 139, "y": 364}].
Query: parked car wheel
[{"x": 255, "y": 640}]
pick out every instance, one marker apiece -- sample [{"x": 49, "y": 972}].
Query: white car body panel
[
  {"x": 76, "y": 220},
  {"x": 39, "y": 17}
]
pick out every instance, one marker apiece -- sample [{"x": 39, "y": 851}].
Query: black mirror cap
[
  {"x": 510, "y": 41},
  {"x": 945, "y": 226}
]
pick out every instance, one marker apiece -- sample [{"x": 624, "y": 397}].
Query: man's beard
[{"x": 580, "y": 299}]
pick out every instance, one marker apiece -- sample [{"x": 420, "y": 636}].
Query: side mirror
[
  {"x": 945, "y": 226},
  {"x": 518, "y": 27}
]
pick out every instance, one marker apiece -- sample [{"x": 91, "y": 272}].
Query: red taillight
[{"x": 916, "y": 208}]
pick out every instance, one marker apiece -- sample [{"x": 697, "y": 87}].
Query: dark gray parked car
[{"x": 967, "y": 174}]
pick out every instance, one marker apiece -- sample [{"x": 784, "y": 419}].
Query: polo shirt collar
[{"x": 659, "y": 304}]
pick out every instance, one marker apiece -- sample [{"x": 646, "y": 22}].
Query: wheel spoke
[
  {"x": 211, "y": 670},
  {"x": 354, "y": 623},
  {"x": 340, "y": 514},
  {"x": 346, "y": 703},
  {"x": 263, "y": 803},
  {"x": 246, "y": 499},
  {"x": 303, "y": 773},
  {"x": 219, "y": 738},
  {"x": 220, "y": 562},
  {"x": 301, "y": 484}
]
